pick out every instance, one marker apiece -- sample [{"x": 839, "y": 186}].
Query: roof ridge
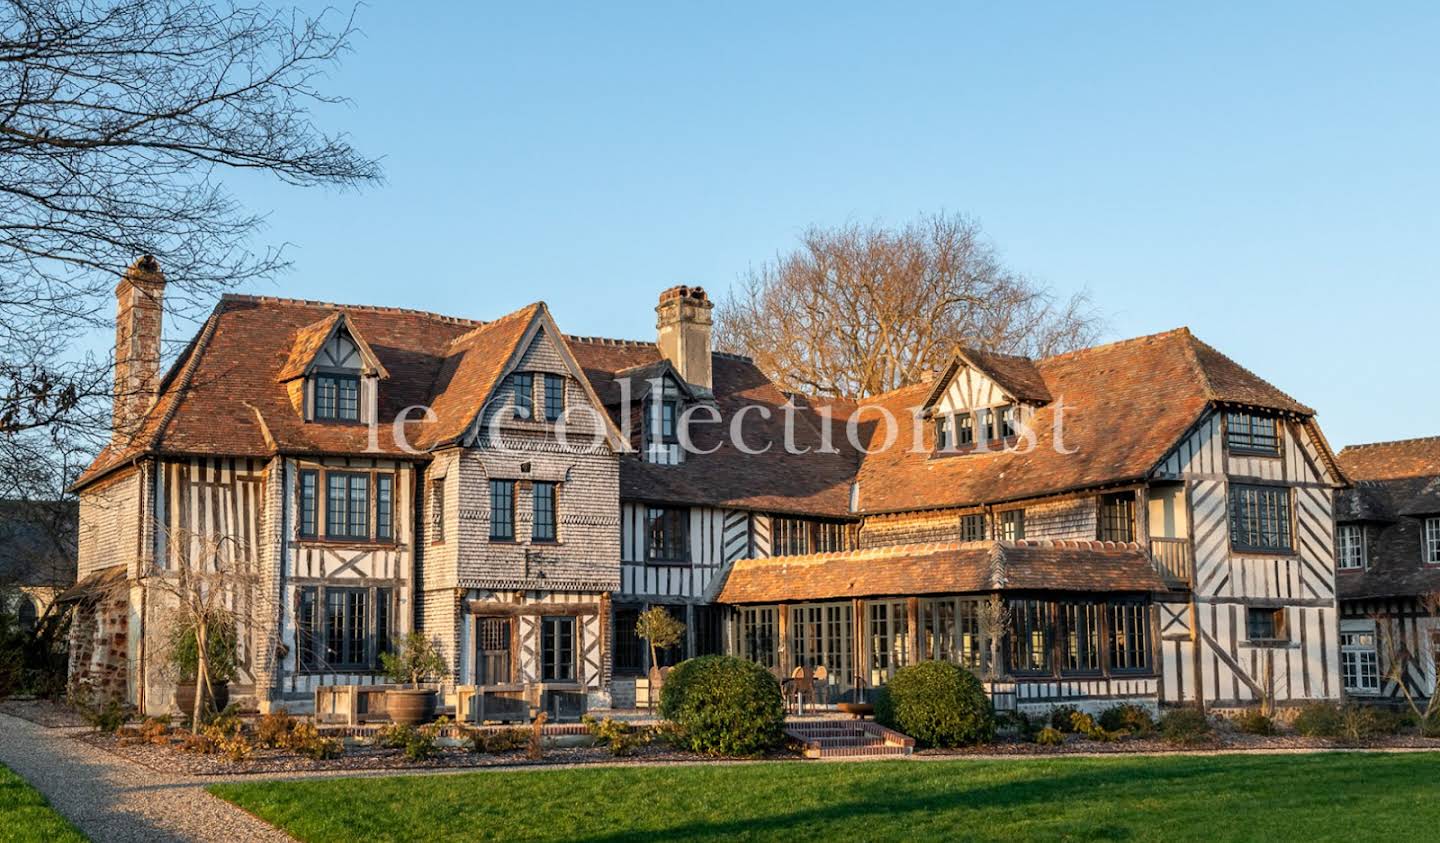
[
  {"x": 610, "y": 341},
  {"x": 475, "y": 331},
  {"x": 1005, "y": 354},
  {"x": 1242, "y": 367},
  {"x": 367, "y": 308},
  {"x": 1411, "y": 441},
  {"x": 1182, "y": 330}
]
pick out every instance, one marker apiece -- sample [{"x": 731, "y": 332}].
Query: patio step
[{"x": 848, "y": 739}]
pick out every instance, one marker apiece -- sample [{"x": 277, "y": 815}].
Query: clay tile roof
[
  {"x": 1016, "y": 375},
  {"x": 1229, "y": 382},
  {"x": 1392, "y": 460},
  {"x": 943, "y": 568},
  {"x": 224, "y": 395}
]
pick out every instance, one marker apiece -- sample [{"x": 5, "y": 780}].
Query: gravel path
[{"x": 115, "y": 801}]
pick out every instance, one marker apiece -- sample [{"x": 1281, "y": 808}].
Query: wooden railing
[{"x": 1173, "y": 560}]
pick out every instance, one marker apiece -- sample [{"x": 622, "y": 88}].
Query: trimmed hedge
[
  {"x": 937, "y": 704},
  {"x": 723, "y": 705}
]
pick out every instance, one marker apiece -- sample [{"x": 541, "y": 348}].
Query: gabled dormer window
[
  {"x": 942, "y": 432},
  {"x": 337, "y": 397},
  {"x": 1247, "y": 433},
  {"x": 964, "y": 429},
  {"x": 554, "y": 397},
  {"x": 1008, "y": 421}
]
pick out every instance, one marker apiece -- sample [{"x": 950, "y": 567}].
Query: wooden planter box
[{"x": 519, "y": 703}]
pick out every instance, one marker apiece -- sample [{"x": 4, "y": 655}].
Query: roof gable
[
  {"x": 1016, "y": 378},
  {"x": 312, "y": 341}
]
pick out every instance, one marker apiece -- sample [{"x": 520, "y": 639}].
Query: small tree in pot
[
  {"x": 203, "y": 677},
  {"x": 418, "y": 660},
  {"x": 661, "y": 630}
]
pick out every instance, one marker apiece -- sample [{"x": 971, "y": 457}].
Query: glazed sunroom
[{"x": 1075, "y": 620}]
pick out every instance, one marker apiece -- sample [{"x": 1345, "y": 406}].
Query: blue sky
[{"x": 1267, "y": 175}]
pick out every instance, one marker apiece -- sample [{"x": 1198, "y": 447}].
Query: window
[
  {"x": 629, "y": 647},
  {"x": 1012, "y": 525},
  {"x": 1260, "y": 517},
  {"x": 1350, "y": 547},
  {"x": 1432, "y": 541},
  {"x": 524, "y": 395},
  {"x": 342, "y": 628},
  {"x": 707, "y": 632},
  {"x": 823, "y": 635},
  {"x": 1252, "y": 434},
  {"x": 347, "y": 505},
  {"x": 831, "y": 537},
  {"x": 1117, "y": 518},
  {"x": 942, "y": 432},
  {"x": 972, "y": 528},
  {"x": 964, "y": 429},
  {"x": 1265, "y": 625},
  {"x": 337, "y": 398},
  {"x": 1129, "y": 637},
  {"x": 985, "y": 421},
  {"x": 1008, "y": 425},
  {"x": 1030, "y": 636},
  {"x": 1359, "y": 661},
  {"x": 666, "y": 535},
  {"x": 502, "y": 510},
  {"x": 950, "y": 630},
  {"x": 789, "y": 537},
  {"x": 557, "y": 649},
  {"x": 669, "y": 414},
  {"x": 543, "y": 522},
  {"x": 309, "y": 501},
  {"x": 554, "y": 397},
  {"x": 1080, "y": 637},
  {"x": 384, "y": 507},
  {"x": 437, "y": 510},
  {"x": 889, "y": 641},
  {"x": 757, "y": 635}
]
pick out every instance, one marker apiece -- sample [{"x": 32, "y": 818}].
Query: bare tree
[
  {"x": 860, "y": 310},
  {"x": 1396, "y": 659},
  {"x": 117, "y": 120}
]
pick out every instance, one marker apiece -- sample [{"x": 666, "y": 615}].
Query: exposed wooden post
[
  {"x": 912, "y": 628},
  {"x": 783, "y": 645},
  {"x": 859, "y": 645}
]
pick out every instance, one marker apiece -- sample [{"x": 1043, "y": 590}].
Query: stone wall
[{"x": 99, "y": 647}]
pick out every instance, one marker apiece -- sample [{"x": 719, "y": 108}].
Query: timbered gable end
[{"x": 970, "y": 410}]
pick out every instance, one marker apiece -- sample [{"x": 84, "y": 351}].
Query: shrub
[
  {"x": 421, "y": 745},
  {"x": 722, "y": 705},
  {"x": 1128, "y": 717},
  {"x": 1024, "y": 727},
  {"x": 156, "y": 730},
  {"x": 1255, "y": 722},
  {"x": 535, "y": 743},
  {"x": 1049, "y": 736},
  {"x": 108, "y": 716},
  {"x": 937, "y": 704},
  {"x": 1185, "y": 726},
  {"x": 274, "y": 728},
  {"x": 418, "y": 660},
  {"x": 393, "y": 736},
  {"x": 1320, "y": 720},
  {"x": 1430, "y": 725},
  {"x": 1363, "y": 722},
  {"x": 618, "y": 736},
  {"x": 236, "y": 747},
  {"x": 304, "y": 739},
  {"x": 494, "y": 742},
  {"x": 1062, "y": 717}
]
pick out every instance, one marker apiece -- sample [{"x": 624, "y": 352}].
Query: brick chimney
[
  {"x": 138, "y": 298},
  {"x": 683, "y": 324}
]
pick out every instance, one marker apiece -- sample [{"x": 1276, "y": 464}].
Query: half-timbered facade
[{"x": 1387, "y": 551}]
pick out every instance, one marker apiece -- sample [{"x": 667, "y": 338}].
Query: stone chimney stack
[
  {"x": 139, "y": 298},
  {"x": 683, "y": 325}
]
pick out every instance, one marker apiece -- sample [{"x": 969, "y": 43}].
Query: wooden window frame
[
  {"x": 522, "y": 386},
  {"x": 1015, "y": 516},
  {"x": 659, "y": 515},
  {"x": 972, "y": 527},
  {"x": 1116, "y": 625},
  {"x": 349, "y": 535},
  {"x": 1430, "y": 540},
  {"x": 1343, "y": 547},
  {"x": 379, "y": 623},
  {"x": 1352, "y": 662},
  {"x": 510, "y": 487},
  {"x": 1286, "y": 525},
  {"x": 943, "y": 439},
  {"x": 548, "y": 381},
  {"x": 337, "y": 415},
  {"x": 1082, "y": 617},
  {"x": 1279, "y": 623},
  {"x": 309, "y": 505},
  {"x": 1108, "y": 521},
  {"x": 1243, "y": 442},
  {"x": 554, "y": 504},
  {"x": 550, "y": 649}
]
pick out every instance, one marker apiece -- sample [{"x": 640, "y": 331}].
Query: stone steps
[{"x": 848, "y": 739}]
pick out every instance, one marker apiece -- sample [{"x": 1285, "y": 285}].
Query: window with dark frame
[
  {"x": 493, "y": 658},
  {"x": 524, "y": 386},
  {"x": 1130, "y": 637},
  {"x": 758, "y": 630},
  {"x": 1265, "y": 625},
  {"x": 1079, "y": 637},
  {"x": 789, "y": 536},
  {"x": 942, "y": 432},
  {"x": 309, "y": 502},
  {"x": 1012, "y": 525},
  {"x": 985, "y": 423},
  {"x": 554, "y": 397},
  {"x": 1252, "y": 434},
  {"x": 342, "y": 628},
  {"x": 384, "y": 507},
  {"x": 437, "y": 510},
  {"x": 669, "y": 421},
  {"x": 667, "y": 535},
  {"x": 1030, "y": 636},
  {"x": 833, "y": 536},
  {"x": 347, "y": 506},
  {"x": 502, "y": 510},
  {"x": 543, "y": 520},
  {"x": 1260, "y": 518},
  {"x": 972, "y": 528},
  {"x": 557, "y": 648},
  {"x": 1008, "y": 425},
  {"x": 629, "y": 647},
  {"x": 1117, "y": 517},
  {"x": 337, "y": 397},
  {"x": 964, "y": 429}
]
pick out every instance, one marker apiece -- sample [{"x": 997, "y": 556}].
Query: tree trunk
[{"x": 202, "y": 677}]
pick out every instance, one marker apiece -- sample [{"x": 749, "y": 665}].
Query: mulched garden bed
[
  {"x": 48, "y": 713},
  {"x": 360, "y": 757}
]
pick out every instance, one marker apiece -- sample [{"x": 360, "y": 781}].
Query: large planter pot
[
  {"x": 410, "y": 706},
  {"x": 185, "y": 697}
]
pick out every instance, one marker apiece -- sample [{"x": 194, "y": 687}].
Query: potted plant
[
  {"x": 205, "y": 673},
  {"x": 661, "y": 630},
  {"x": 418, "y": 660}
]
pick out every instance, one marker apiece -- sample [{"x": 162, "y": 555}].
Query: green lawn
[
  {"x": 1275, "y": 797},
  {"x": 26, "y": 816}
]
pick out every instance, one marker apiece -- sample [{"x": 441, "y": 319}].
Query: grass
[
  {"x": 1280, "y": 797},
  {"x": 26, "y": 816}
]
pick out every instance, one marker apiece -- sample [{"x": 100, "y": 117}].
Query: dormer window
[
  {"x": 942, "y": 432},
  {"x": 524, "y": 395},
  {"x": 1247, "y": 433},
  {"x": 964, "y": 429},
  {"x": 985, "y": 420},
  {"x": 337, "y": 397},
  {"x": 554, "y": 397},
  {"x": 1008, "y": 425}
]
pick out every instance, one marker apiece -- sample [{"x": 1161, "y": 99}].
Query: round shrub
[
  {"x": 723, "y": 705},
  {"x": 1320, "y": 720},
  {"x": 1185, "y": 726},
  {"x": 1128, "y": 717},
  {"x": 937, "y": 704},
  {"x": 1253, "y": 721},
  {"x": 1049, "y": 736}
]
